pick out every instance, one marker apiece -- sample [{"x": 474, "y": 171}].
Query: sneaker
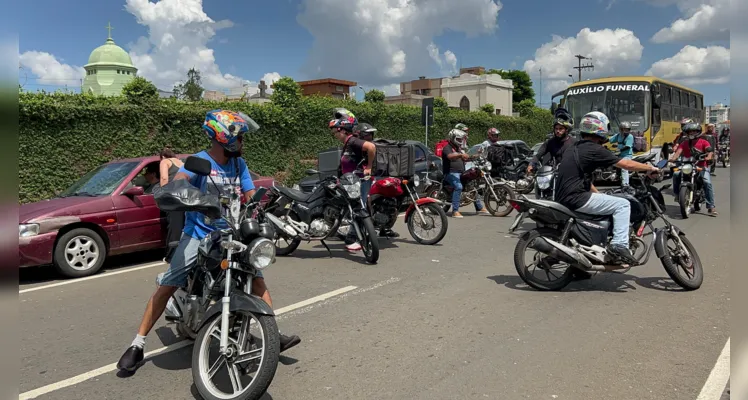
[
  {"x": 456, "y": 214},
  {"x": 713, "y": 211},
  {"x": 130, "y": 361},
  {"x": 623, "y": 253},
  {"x": 484, "y": 211},
  {"x": 286, "y": 342},
  {"x": 388, "y": 233},
  {"x": 353, "y": 247}
]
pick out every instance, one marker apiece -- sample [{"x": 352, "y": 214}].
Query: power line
[{"x": 580, "y": 67}]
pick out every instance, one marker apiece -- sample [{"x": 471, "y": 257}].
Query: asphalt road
[{"x": 451, "y": 321}]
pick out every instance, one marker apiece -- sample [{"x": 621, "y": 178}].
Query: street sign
[{"x": 427, "y": 111}]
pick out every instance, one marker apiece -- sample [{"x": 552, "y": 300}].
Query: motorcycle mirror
[
  {"x": 197, "y": 165},
  {"x": 259, "y": 193}
]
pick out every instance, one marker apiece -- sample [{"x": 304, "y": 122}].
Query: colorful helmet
[
  {"x": 492, "y": 132},
  {"x": 458, "y": 137},
  {"x": 339, "y": 113},
  {"x": 595, "y": 123},
  {"x": 227, "y": 127},
  {"x": 364, "y": 131},
  {"x": 342, "y": 124},
  {"x": 462, "y": 127},
  {"x": 625, "y": 125}
]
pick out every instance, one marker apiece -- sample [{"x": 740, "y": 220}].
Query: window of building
[
  {"x": 465, "y": 103},
  {"x": 676, "y": 97},
  {"x": 339, "y": 89}
]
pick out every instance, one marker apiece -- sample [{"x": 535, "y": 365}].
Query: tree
[
  {"x": 374, "y": 96},
  {"x": 522, "y": 83},
  {"x": 140, "y": 90},
  {"x": 489, "y": 108},
  {"x": 192, "y": 89},
  {"x": 286, "y": 92},
  {"x": 524, "y": 107},
  {"x": 440, "y": 103}
]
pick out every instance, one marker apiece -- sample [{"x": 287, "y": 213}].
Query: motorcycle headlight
[
  {"x": 28, "y": 230},
  {"x": 687, "y": 169},
  {"x": 544, "y": 182},
  {"x": 488, "y": 166},
  {"x": 261, "y": 253},
  {"x": 296, "y": 187},
  {"x": 416, "y": 180},
  {"x": 353, "y": 190}
]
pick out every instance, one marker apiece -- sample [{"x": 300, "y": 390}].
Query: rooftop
[{"x": 110, "y": 54}]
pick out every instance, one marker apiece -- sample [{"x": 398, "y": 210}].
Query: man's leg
[
  {"x": 175, "y": 277},
  {"x": 676, "y": 185},
  {"x": 620, "y": 209},
  {"x": 259, "y": 289},
  {"x": 709, "y": 193},
  {"x": 625, "y": 174},
  {"x": 454, "y": 180}
]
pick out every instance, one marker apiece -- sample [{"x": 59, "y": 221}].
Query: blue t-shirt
[
  {"x": 628, "y": 140},
  {"x": 195, "y": 224}
]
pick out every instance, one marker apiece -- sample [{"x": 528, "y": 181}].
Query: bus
[{"x": 652, "y": 106}]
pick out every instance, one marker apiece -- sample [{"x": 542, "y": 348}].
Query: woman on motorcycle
[{"x": 695, "y": 141}]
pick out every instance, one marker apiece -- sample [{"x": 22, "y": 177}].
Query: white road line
[
  {"x": 717, "y": 382},
  {"x": 176, "y": 346},
  {"x": 88, "y": 278}
]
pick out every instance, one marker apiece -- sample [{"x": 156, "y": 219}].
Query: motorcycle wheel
[
  {"x": 674, "y": 261},
  {"x": 685, "y": 206},
  {"x": 203, "y": 365},
  {"x": 370, "y": 244},
  {"x": 505, "y": 194},
  {"x": 433, "y": 209},
  {"x": 293, "y": 244},
  {"x": 522, "y": 268}
]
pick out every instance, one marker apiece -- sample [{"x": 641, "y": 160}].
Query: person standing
[{"x": 169, "y": 166}]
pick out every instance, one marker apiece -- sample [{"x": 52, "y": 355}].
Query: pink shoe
[{"x": 353, "y": 247}]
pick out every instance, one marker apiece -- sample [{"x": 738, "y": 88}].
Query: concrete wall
[{"x": 479, "y": 90}]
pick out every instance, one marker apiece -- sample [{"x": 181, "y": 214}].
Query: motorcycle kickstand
[{"x": 328, "y": 249}]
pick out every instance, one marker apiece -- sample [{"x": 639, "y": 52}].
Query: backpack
[
  {"x": 394, "y": 159},
  {"x": 440, "y": 147},
  {"x": 640, "y": 142},
  {"x": 497, "y": 155}
]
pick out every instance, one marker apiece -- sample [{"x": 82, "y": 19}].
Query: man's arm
[
  {"x": 248, "y": 186},
  {"x": 593, "y": 189},
  {"x": 371, "y": 152},
  {"x": 631, "y": 165},
  {"x": 541, "y": 152},
  {"x": 675, "y": 155}
]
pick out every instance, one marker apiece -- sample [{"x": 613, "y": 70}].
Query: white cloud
[
  {"x": 694, "y": 65},
  {"x": 381, "y": 42},
  {"x": 612, "y": 51},
  {"x": 447, "y": 62},
  {"x": 49, "y": 70},
  {"x": 702, "y": 20}
]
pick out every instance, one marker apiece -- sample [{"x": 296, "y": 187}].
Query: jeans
[
  {"x": 365, "y": 188},
  {"x": 453, "y": 179},
  {"x": 625, "y": 173},
  {"x": 620, "y": 208},
  {"x": 708, "y": 187}
]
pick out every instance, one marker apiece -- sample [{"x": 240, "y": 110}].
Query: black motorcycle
[
  {"x": 318, "y": 215},
  {"x": 691, "y": 192},
  {"x": 545, "y": 187},
  {"x": 723, "y": 154},
  {"x": 569, "y": 239}
]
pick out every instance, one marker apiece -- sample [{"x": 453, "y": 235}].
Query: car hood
[{"x": 62, "y": 207}]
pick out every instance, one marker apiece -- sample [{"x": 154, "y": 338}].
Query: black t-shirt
[
  {"x": 353, "y": 155},
  {"x": 553, "y": 148},
  {"x": 571, "y": 189},
  {"x": 455, "y": 165}
]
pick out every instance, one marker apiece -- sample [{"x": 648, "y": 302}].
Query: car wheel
[{"x": 79, "y": 252}]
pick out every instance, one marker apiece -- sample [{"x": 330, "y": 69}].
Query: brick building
[{"x": 337, "y": 88}]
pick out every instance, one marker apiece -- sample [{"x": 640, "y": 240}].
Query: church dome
[{"x": 109, "y": 54}]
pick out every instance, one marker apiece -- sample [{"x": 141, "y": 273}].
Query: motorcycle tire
[
  {"x": 294, "y": 244},
  {"x": 502, "y": 191},
  {"x": 685, "y": 207},
  {"x": 519, "y": 261},
  {"x": 371, "y": 240},
  {"x": 672, "y": 268},
  {"x": 265, "y": 373},
  {"x": 442, "y": 215}
]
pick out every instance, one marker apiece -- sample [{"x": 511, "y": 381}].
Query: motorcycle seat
[
  {"x": 563, "y": 209},
  {"x": 293, "y": 194}
]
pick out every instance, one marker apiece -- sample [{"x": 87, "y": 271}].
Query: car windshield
[
  {"x": 101, "y": 181},
  {"x": 621, "y": 102}
]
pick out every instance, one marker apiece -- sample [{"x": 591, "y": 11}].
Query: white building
[
  {"x": 717, "y": 113},
  {"x": 471, "y": 92}
]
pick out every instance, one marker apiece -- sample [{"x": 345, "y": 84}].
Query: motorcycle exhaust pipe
[
  {"x": 282, "y": 225},
  {"x": 560, "y": 252}
]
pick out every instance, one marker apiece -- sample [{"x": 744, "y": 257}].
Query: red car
[{"x": 106, "y": 212}]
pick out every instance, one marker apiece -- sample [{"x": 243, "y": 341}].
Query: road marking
[
  {"x": 32, "y": 394},
  {"x": 717, "y": 382},
  {"x": 88, "y": 278}
]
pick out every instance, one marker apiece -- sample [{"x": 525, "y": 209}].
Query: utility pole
[
  {"x": 580, "y": 67},
  {"x": 540, "y": 101}
]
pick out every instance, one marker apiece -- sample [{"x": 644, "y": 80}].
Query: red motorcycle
[{"x": 389, "y": 195}]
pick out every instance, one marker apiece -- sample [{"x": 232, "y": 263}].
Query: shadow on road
[
  {"x": 197, "y": 396},
  {"x": 338, "y": 250},
  {"x": 605, "y": 282}
]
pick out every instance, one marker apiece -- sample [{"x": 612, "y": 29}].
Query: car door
[{"x": 141, "y": 224}]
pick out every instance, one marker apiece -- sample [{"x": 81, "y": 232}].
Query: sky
[{"x": 379, "y": 43}]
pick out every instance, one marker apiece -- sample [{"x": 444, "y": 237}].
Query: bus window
[
  {"x": 684, "y": 99},
  {"x": 667, "y": 112},
  {"x": 692, "y": 102},
  {"x": 667, "y": 94},
  {"x": 656, "y": 116},
  {"x": 676, "y": 97}
]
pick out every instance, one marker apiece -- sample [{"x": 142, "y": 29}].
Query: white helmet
[{"x": 457, "y": 137}]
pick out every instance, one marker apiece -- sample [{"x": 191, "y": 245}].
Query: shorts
[{"x": 183, "y": 260}]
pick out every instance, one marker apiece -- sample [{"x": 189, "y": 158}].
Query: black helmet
[
  {"x": 364, "y": 131},
  {"x": 692, "y": 130}
]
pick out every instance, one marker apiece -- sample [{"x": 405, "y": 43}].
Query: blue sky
[{"x": 309, "y": 39}]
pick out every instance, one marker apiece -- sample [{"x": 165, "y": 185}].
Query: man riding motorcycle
[
  {"x": 453, "y": 165},
  {"x": 225, "y": 129},
  {"x": 694, "y": 140},
  {"x": 464, "y": 128},
  {"x": 625, "y": 141},
  {"x": 558, "y": 143},
  {"x": 576, "y": 191}
]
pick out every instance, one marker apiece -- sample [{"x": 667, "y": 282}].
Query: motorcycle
[
  {"x": 387, "y": 197},
  {"x": 217, "y": 304},
  {"x": 691, "y": 192},
  {"x": 318, "y": 215},
  {"x": 545, "y": 187},
  {"x": 563, "y": 236},
  {"x": 723, "y": 154},
  {"x": 477, "y": 182}
]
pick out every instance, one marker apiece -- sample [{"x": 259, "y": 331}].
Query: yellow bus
[{"x": 651, "y": 105}]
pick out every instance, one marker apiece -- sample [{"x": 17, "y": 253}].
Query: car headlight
[
  {"x": 261, "y": 253},
  {"x": 687, "y": 169},
  {"x": 28, "y": 230},
  {"x": 416, "y": 180},
  {"x": 354, "y": 190},
  {"x": 544, "y": 182}
]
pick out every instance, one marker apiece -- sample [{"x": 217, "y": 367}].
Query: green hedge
[{"x": 63, "y": 136}]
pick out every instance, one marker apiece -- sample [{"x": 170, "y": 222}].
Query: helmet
[
  {"x": 492, "y": 132},
  {"x": 625, "y": 125},
  {"x": 342, "y": 124},
  {"x": 364, "y": 131},
  {"x": 227, "y": 128},
  {"x": 562, "y": 117},
  {"x": 339, "y": 113},
  {"x": 692, "y": 130},
  {"x": 458, "y": 137},
  {"x": 595, "y": 123},
  {"x": 462, "y": 127},
  {"x": 684, "y": 122}
]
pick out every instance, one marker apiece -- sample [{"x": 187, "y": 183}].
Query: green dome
[{"x": 110, "y": 54}]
